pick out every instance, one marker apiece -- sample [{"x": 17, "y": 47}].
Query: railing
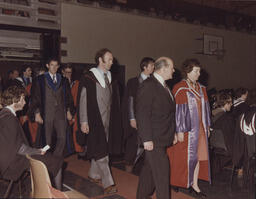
[
  {"x": 178, "y": 10},
  {"x": 31, "y": 13}
]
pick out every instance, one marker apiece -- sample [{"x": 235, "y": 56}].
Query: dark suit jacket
[
  {"x": 155, "y": 111},
  {"x": 11, "y": 139},
  {"x": 130, "y": 92},
  {"x": 38, "y": 95},
  {"x": 12, "y": 165}
]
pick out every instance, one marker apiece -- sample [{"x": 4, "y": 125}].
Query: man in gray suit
[
  {"x": 132, "y": 145},
  {"x": 99, "y": 118},
  {"x": 156, "y": 126}
]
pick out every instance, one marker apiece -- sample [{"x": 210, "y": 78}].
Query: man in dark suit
[
  {"x": 132, "y": 148},
  {"x": 51, "y": 105},
  {"x": 156, "y": 126}
]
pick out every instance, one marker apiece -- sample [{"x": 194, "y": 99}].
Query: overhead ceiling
[{"x": 233, "y": 6}]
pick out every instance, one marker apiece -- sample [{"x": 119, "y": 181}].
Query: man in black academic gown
[
  {"x": 131, "y": 142},
  {"x": 240, "y": 105},
  {"x": 222, "y": 136},
  {"x": 100, "y": 118},
  {"x": 51, "y": 105}
]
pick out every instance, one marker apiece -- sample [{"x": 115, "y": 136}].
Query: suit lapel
[{"x": 163, "y": 90}]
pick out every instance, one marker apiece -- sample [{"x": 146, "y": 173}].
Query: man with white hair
[{"x": 156, "y": 127}]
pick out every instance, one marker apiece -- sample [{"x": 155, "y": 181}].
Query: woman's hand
[
  {"x": 180, "y": 136},
  {"x": 175, "y": 140}
]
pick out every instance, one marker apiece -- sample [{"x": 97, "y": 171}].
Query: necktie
[
  {"x": 106, "y": 80},
  {"x": 54, "y": 79}
]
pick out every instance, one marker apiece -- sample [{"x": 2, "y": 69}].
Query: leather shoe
[
  {"x": 176, "y": 189},
  {"x": 80, "y": 157},
  {"x": 110, "y": 190},
  {"x": 197, "y": 194},
  {"x": 94, "y": 180}
]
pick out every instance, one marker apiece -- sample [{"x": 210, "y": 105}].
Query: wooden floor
[{"x": 126, "y": 183}]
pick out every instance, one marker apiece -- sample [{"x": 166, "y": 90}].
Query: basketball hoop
[{"x": 219, "y": 53}]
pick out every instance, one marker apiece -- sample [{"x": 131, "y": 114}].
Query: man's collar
[
  {"x": 51, "y": 74},
  {"x": 99, "y": 74},
  {"x": 102, "y": 71},
  {"x": 11, "y": 109},
  {"x": 159, "y": 78},
  {"x": 224, "y": 109},
  {"x": 143, "y": 76}
]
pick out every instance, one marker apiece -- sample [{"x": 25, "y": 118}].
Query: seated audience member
[
  {"x": 212, "y": 97},
  {"x": 252, "y": 98},
  {"x": 244, "y": 143},
  {"x": 240, "y": 106},
  {"x": 223, "y": 125},
  {"x": 248, "y": 122},
  {"x": 13, "y": 143}
]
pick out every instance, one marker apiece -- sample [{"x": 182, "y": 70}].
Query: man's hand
[
  {"x": 38, "y": 118},
  {"x": 133, "y": 123},
  {"x": 42, "y": 152},
  {"x": 85, "y": 127},
  {"x": 69, "y": 116},
  {"x": 209, "y": 132},
  {"x": 180, "y": 137},
  {"x": 175, "y": 140},
  {"x": 23, "y": 119},
  {"x": 149, "y": 146}
]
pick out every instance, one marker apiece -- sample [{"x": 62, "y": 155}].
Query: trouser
[
  {"x": 59, "y": 126},
  {"x": 131, "y": 148},
  {"x": 155, "y": 175},
  {"x": 100, "y": 170}
]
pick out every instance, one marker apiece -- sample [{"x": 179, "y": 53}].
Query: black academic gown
[
  {"x": 37, "y": 102},
  {"x": 244, "y": 150},
  {"x": 223, "y": 122},
  {"x": 226, "y": 124},
  {"x": 12, "y": 165},
  {"x": 97, "y": 145},
  {"x": 240, "y": 109}
]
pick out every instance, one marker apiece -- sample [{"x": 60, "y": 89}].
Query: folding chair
[{"x": 41, "y": 183}]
